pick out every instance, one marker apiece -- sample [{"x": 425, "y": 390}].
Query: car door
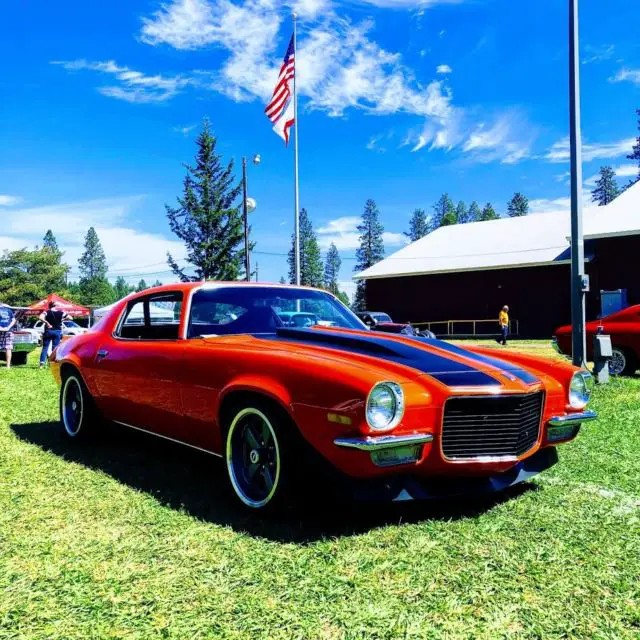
[{"x": 137, "y": 370}]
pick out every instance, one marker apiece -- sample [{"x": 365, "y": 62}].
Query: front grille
[
  {"x": 20, "y": 338},
  {"x": 482, "y": 426}
]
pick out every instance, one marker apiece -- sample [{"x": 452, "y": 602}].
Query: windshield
[
  {"x": 262, "y": 310},
  {"x": 71, "y": 325},
  {"x": 381, "y": 317}
]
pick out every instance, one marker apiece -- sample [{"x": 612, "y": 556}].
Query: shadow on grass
[{"x": 194, "y": 482}]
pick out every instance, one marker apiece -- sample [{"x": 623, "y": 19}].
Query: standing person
[
  {"x": 53, "y": 320},
  {"x": 503, "y": 321},
  {"x": 7, "y": 322}
]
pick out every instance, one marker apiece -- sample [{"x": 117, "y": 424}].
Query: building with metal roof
[{"x": 469, "y": 271}]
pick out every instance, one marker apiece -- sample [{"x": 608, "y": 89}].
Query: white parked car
[{"x": 69, "y": 328}]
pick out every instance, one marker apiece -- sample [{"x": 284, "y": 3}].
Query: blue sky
[{"x": 401, "y": 100}]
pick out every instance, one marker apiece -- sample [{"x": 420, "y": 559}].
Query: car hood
[{"x": 447, "y": 363}]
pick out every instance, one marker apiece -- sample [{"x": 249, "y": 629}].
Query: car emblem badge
[{"x": 254, "y": 456}]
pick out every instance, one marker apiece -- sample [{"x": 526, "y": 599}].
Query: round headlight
[
  {"x": 580, "y": 389},
  {"x": 385, "y": 406}
]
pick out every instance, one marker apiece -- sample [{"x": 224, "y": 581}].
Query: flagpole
[{"x": 295, "y": 154}]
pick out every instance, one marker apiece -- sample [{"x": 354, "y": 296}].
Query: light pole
[
  {"x": 578, "y": 280},
  {"x": 248, "y": 205}
]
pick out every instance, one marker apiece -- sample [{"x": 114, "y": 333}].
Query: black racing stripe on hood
[
  {"x": 443, "y": 369},
  {"x": 522, "y": 374}
]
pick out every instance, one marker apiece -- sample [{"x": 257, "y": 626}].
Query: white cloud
[
  {"x": 557, "y": 205},
  {"x": 630, "y": 75},
  {"x": 343, "y": 232},
  {"x": 339, "y": 66},
  {"x": 505, "y": 140},
  {"x": 9, "y": 201},
  {"x": 407, "y": 4},
  {"x": 559, "y": 151},
  {"x": 443, "y": 68},
  {"x": 186, "y": 130},
  {"x": 626, "y": 170},
  {"x": 128, "y": 250},
  {"x": 133, "y": 86},
  {"x": 598, "y": 53},
  {"x": 548, "y": 205}
]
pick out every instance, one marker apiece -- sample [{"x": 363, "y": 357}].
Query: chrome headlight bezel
[
  {"x": 580, "y": 389},
  {"x": 394, "y": 391}
]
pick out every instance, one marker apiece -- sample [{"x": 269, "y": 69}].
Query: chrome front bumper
[
  {"x": 389, "y": 450},
  {"x": 572, "y": 419},
  {"x": 377, "y": 443}
]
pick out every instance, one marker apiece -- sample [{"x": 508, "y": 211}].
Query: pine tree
[
  {"x": 518, "y": 206},
  {"x": 283, "y": 280},
  {"x": 635, "y": 154},
  {"x": 121, "y": 288},
  {"x": 418, "y": 225},
  {"x": 332, "y": 266},
  {"x": 371, "y": 248},
  {"x": 606, "y": 189},
  {"x": 95, "y": 289},
  {"x": 50, "y": 245},
  {"x": 311, "y": 268},
  {"x": 206, "y": 218},
  {"x": 49, "y": 242},
  {"x": 142, "y": 285},
  {"x": 444, "y": 212},
  {"x": 488, "y": 213},
  {"x": 474, "y": 212},
  {"x": 462, "y": 214},
  {"x": 157, "y": 283},
  {"x": 93, "y": 262}
]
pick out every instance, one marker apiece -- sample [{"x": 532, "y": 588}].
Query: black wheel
[
  {"x": 257, "y": 456},
  {"x": 78, "y": 414},
  {"x": 19, "y": 358},
  {"x": 622, "y": 363}
]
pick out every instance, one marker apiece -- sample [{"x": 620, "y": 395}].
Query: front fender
[{"x": 259, "y": 384}]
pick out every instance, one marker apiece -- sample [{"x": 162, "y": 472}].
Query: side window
[{"x": 152, "y": 318}]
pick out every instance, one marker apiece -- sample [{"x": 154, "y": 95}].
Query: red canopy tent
[{"x": 71, "y": 308}]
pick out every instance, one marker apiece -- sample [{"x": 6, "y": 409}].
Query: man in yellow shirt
[{"x": 503, "y": 321}]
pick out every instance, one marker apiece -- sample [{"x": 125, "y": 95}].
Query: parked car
[
  {"x": 23, "y": 344},
  {"x": 624, "y": 329},
  {"x": 377, "y": 321},
  {"x": 391, "y": 417},
  {"x": 69, "y": 328}
]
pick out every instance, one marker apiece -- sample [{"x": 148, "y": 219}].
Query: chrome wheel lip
[
  {"x": 72, "y": 432},
  {"x": 253, "y": 504},
  {"x": 621, "y": 359}
]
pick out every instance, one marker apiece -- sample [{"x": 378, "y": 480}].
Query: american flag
[{"x": 280, "y": 109}]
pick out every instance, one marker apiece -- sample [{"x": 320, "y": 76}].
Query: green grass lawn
[{"x": 132, "y": 538}]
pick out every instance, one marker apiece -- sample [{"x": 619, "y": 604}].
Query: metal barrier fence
[{"x": 466, "y": 328}]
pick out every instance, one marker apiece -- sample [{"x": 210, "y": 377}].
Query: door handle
[{"x": 103, "y": 353}]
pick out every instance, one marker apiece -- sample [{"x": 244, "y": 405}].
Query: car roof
[{"x": 210, "y": 285}]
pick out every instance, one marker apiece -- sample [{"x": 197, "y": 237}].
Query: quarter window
[{"x": 152, "y": 318}]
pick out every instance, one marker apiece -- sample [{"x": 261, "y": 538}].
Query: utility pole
[
  {"x": 578, "y": 280},
  {"x": 257, "y": 270},
  {"x": 245, "y": 219}
]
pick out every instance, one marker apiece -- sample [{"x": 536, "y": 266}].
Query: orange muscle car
[{"x": 219, "y": 367}]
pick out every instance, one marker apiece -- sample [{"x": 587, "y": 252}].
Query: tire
[
  {"x": 623, "y": 362},
  {"x": 258, "y": 456},
  {"x": 79, "y": 417},
  {"x": 19, "y": 358}
]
